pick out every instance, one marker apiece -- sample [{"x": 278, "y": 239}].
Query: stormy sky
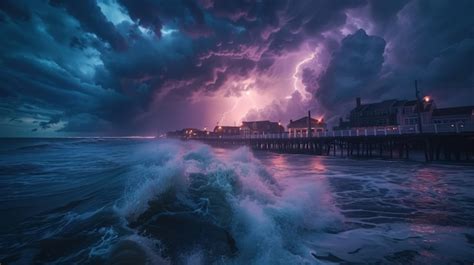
[{"x": 127, "y": 67}]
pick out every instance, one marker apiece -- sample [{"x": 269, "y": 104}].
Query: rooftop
[
  {"x": 466, "y": 110},
  {"x": 377, "y": 106},
  {"x": 303, "y": 123},
  {"x": 386, "y": 104},
  {"x": 263, "y": 125}
]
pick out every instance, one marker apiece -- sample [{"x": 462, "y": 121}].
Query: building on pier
[
  {"x": 453, "y": 116},
  {"x": 343, "y": 125},
  {"x": 408, "y": 111},
  {"x": 382, "y": 113},
  {"x": 306, "y": 125},
  {"x": 261, "y": 128},
  {"x": 226, "y": 130},
  {"x": 187, "y": 133},
  {"x": 388, "y": 113}
]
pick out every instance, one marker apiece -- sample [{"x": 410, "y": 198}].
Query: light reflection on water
[
  {"x": 420, "y": 213},
  {"x": 340, "y": 210}
]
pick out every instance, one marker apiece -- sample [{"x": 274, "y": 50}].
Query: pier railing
[{"x": 358, "y": 132}]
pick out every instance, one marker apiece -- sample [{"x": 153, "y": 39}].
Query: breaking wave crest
[
  {"x": 142, "y": 201},
  {"x": 206, "y": 207}
]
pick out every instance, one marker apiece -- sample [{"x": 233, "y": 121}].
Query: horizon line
[{"x": 90, "y": 137}]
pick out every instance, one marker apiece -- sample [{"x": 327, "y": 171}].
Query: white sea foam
[
  {"x": 266, "y": 218},
  {"x": 188, "y": 203}
]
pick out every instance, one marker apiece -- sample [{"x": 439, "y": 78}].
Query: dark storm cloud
[
  {"x": 86, "y": 124},
  {"x": 431, "y": 41},
  {"x": 93, "y": 20},
  {"x": 44, "y": 78},
  {"x": 152, "y": 14},
  {"x": 241, "y": 39},
  {"x": 47, "y": 124},
  {"x": 352, "y": 69},
  {"x": 15, "y": 10},
  {"x": 283, "y": 25},
  {"x": 435, "y": 46},
  {"x": 384, "y": 12},
  {"x": 76, "y": 65}
]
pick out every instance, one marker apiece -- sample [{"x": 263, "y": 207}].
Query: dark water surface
[{"x": 143, "y": 201}]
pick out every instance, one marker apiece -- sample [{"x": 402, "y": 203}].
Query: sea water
[{"x": 146, "y": 201}]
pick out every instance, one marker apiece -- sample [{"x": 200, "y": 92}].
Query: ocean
[{"x": 147, "y": 201}]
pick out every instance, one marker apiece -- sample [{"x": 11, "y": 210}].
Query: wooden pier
[{"x": 435, "y": 143}]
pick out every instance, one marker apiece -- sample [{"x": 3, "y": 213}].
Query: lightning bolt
[
  {"x": 247, "y": 86},
  {"x": 229, "y": 111},
  {"x": 297, "y": 70}
]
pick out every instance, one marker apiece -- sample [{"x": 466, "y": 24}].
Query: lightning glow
[
  {"x": 229, "y": 111},
  {"x": 246, "y": 86},
  {"x": 296, "y": 81}
]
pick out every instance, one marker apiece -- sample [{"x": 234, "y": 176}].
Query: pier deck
[{"x": 437, "y": 142}]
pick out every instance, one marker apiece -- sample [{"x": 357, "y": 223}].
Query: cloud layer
[{"x": 122, "y": 67}]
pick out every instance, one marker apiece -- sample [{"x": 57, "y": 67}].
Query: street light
[{"x": 419, "y": 106}]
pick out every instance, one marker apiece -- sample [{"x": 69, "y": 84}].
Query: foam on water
[
  {"x": 233, "y": 192},
  {"x": 126, "y": 201}
]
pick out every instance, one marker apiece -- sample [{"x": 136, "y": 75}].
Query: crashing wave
[{"x": 219, "y": 208}]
